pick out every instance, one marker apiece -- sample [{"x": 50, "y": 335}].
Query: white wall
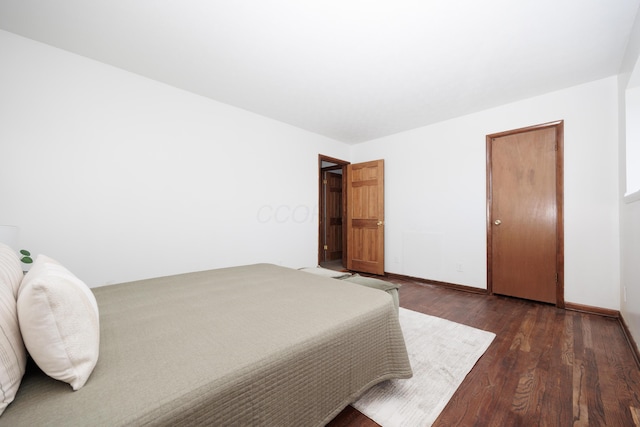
[
  {"x": 630, "y": 205},
  {"x": 436, "y": 192},
  {"x": 120, "y": 177}
]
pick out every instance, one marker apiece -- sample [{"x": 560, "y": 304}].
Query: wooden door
[
  {"x": 525, "y": 213},
  {"x": 333, "y": 215},
  {"x": 365, "y": 217}
]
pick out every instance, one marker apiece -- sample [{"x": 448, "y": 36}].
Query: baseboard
[
  {"x": 630, "y": 340},
  {"x": 435, "y": 282},
  {"x": 592, "y": 310}
]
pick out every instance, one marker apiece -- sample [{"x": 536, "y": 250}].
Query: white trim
[{"x": 632, "y": 197}]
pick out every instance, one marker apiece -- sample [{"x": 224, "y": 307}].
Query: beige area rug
[{"x": 442, "y": 353}]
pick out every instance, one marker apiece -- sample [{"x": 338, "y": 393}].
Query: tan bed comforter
[{"x": 252, "y": 345}]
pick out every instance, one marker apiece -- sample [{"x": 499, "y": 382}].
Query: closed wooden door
[
  {"x": 365, "y": 217},
  {"x": 525, "y": 213}
]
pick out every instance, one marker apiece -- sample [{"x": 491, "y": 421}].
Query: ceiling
[{"x": 352, "y": 70}]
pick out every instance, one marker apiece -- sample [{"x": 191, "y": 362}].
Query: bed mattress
[{"x": 250, "y": 345}]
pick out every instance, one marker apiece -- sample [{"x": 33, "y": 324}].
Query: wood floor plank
[
  {"x": 546, "y": 366},
  {"x": 580, "y": 393},
  {"x": 617, "y": 393}
]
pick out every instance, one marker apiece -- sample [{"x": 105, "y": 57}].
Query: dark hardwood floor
[{"x": 546, "y": 367}]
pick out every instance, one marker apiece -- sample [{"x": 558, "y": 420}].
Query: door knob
[
  {"x": 379, "y": 223},
  {"x": 497, "y": 222}
]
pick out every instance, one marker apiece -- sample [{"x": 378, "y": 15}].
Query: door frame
[
  {"x": 340, "y": 164},
  {"x": 559, "y": 128}
]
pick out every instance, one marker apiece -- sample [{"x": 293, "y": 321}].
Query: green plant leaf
[
  {"x": 26, "y": 259},
  {"x": 25, "y": 252}
]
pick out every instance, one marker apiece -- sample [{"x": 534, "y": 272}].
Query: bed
[{"x": 249, "y": 345}]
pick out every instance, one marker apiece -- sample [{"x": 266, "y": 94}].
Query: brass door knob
[{"x": 497, "y": 222}]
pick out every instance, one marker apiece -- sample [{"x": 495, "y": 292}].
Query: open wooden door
[{"x": 365, "y": 217}]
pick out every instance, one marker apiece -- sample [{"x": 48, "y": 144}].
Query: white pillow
[
  {"x": 59, "y": 321},
  {"x": 13, "y": 356}
]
